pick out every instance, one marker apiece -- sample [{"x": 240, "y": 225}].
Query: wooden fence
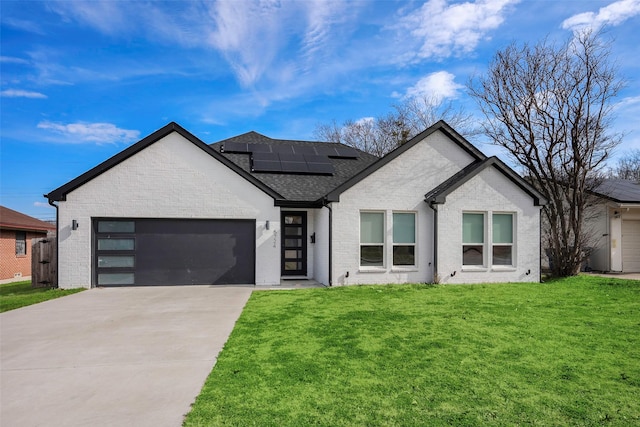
[{"x": 44, "y": 263}]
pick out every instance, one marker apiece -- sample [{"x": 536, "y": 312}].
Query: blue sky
[{"x": 81, "y": 81}]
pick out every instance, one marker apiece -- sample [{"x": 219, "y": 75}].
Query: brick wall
[
  {"x": 399, "y": 186},
  {"x": 171, "y": 178},
  {"x": 11, "y": 265},
  {"x": 489, "y": 192}
]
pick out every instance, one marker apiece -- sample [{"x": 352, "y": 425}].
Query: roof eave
[{"x": 313, "y": 204}]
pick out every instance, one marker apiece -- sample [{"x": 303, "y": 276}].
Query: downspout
[
  {"x": 57, "y": 240},
  {"x": 435, "y": 241},
  {"x": 540, "y": 245},
  {"x": 326, "y": 205},
  {"x": 607, "y": 211}
]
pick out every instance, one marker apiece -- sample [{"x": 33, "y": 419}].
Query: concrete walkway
[{"x": 113, "y": 357}]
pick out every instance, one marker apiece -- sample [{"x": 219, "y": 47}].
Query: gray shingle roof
[
  {"x": 619, "y": 190},
  {"x": 293, "y": 187}
]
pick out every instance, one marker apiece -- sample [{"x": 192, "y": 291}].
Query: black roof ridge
[
  {"x": 60, "y": 193},
  {"x": 441, "y": 125},
  {"x": 281, "y": 140},
  {"x": 439, "y": 194}
]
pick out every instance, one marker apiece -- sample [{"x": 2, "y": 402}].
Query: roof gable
[
  {"x": 439, "y": 194},
  {"x": 441, "y": 126},
  {"x": 60, "y": 193},
  {"x": 14, "y": 220}
]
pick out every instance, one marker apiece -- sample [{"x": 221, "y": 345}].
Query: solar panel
[
  {"x": 282, "y": 148},
  {"x": 273, "y": 157},
  {"x": 320, "y": 168},
  {"x": 235, "y": 147},
  {"x": 291, "y": 157},
  {"x": 314, "y": 158},
  {"x": 259, "y": 148},
  {"x": 294, "y": 167},
  {"x": 304, "y": 149},
  {"x": 324, "y": 149},
  {"x": 346, "y": 152},
  {"x": 266, "y": 166}
]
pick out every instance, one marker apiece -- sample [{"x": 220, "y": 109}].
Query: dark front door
[{"x": 294, "y": 243}]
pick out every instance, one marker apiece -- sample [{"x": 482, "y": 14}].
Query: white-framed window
[
  {"x": 479, "y": 250},
  {"x": 404, "y": 239},
  {"x": 372, "y": 233},
  {"x": 473, "y": 239},
  {"x": 502, "y": 241}
]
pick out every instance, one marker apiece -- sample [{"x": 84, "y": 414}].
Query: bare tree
[
  {"x": 550, "y": 107},
  {"x": 408, "y": 118},
  {"x": 628, "y": 166},
  {"x": 419, "y": 112}
]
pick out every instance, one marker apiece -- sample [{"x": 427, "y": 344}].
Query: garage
[
  {"x": 161, "y": 252},
  {"x": 631, "y": 246}
]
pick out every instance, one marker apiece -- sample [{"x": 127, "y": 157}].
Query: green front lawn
[
  {"x": 20, "y": 294},
  {"x": 561, "y": 353}
]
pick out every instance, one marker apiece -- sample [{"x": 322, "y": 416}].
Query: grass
[
  {"x": 562, "y": 353},
  {"x": 20, "y": 294}
]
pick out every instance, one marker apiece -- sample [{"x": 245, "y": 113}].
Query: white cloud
[
  {"x": 441, "y": 30},
  {"x": 81, "y": 132},
  {"x": 18, "y": 93},
  {"x": 42, "y": 205},
  {"x": 365, "y": 121},
  {"x": 252, "y": 36},
  {"x": 612, "y": 14},
  {"x": 13, "y": 60},
  {"x": 248, "y": 35},
  {"x": 437, "y": 86},
  {"x": 24, "y": 25},
  {"x": 105, "y": 15}
]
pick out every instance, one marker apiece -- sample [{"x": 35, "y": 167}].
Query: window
[
  {"x": 404, "y": 239},
  {"x": 371, "y": 239},
  {"x": 502, "y": 251},
  {"x": 473, "y": 239},
  {"x": 21, "y": 243},
  {"x": 475, "y": 252},
  {"x": 115, "y": 257}
]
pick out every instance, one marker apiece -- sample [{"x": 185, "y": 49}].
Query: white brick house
[{"x": 172, "y": 210}]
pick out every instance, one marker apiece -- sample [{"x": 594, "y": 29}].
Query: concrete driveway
[{"x": 113, "y": 357}]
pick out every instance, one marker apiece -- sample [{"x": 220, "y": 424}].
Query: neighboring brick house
[
  {"x": 173, "y": 210},
  {"x": 16, "y": 232}
]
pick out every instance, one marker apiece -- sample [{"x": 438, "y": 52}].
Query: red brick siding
[{"x": 10, "y": 264}]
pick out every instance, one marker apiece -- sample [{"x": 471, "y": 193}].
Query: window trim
[
  {"x": 488, "y": 245},
  {"x": 383, "y": 244},
  {"x": 414, "y": 244},
  {"x": 511, "y": 245},
  {"x": 483, "y": 244},
  {"x": 22, "y": 239}
]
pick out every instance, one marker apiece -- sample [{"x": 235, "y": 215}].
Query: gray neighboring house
[
  {"x": 615, "y": 224},
  {"x": 174, "y": 210}
]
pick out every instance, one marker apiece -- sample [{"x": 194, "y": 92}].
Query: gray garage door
[
  {"x": 160, "y": 252},
  {"x": 631, "y": 246}
]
